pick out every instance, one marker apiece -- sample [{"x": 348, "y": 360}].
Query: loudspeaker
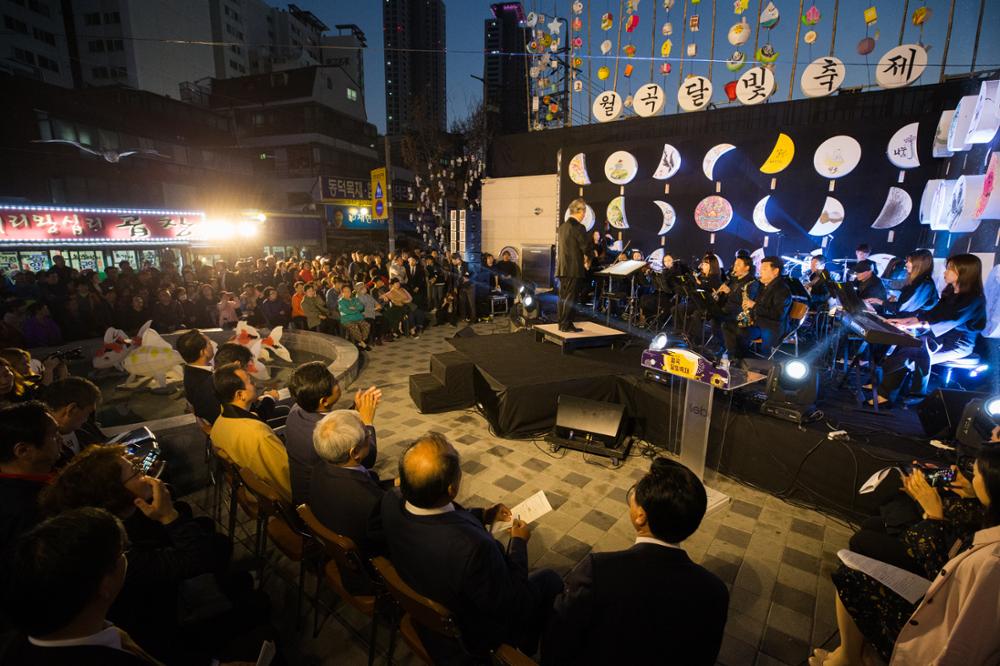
[
  {"x": 590, "y": 420},
  {"x": 941, "y": 411},
  {"x": 466, "y": 332}
]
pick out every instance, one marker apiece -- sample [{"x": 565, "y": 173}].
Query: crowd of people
[{"x": 368, "y": 298}]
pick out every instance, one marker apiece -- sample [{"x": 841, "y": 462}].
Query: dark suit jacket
[
  {"x": 873, "y": 288},
  {"x": 649, "y": 604},
  {"x": 771, "y": 307},
  {"x": 574, "y": 244},
  {"x": 200, "y": 392},
  {"x": 345, "y": 500},
  {"x": 452, "y": 559}
]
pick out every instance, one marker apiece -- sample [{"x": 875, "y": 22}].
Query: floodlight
[
  {"x": 795, "y": 370},
  {"x": 792, "y": 390},
  {"x": 659, "y": 342},
  {"x": 528, "y": 301},
  {"x": 992, "y": 407}
]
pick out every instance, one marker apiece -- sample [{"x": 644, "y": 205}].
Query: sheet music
[
  {"x": 529, "y": 511},
  {"x": 622, "y": 268},
  {"x": 907, "y": 585}
]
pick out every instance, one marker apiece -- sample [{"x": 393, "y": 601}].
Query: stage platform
[
  {"x": 518, "y": 381},
  {"x": 590, "y": 335}
]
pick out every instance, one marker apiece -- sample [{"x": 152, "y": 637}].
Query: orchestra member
[
  {"x": 953, "y": 323},
  {"x": 708, "y": 279},
  {"x": 819, "y": 293},
  {"x": 869, "y": 285},
  {"x": 742, "y": 252},
  {"x": 862, "y": 251},
  {"x": 919, "y": 291},
  {"x": 768, "y": 313},
  {"x": 663, "y": 288},
  {"x": 730, "y": 295},
  {"x": 574, "y": 255}
]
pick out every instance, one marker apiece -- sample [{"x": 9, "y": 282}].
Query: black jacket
[
  {"x": 770, "y": 310},
  {"x": 873, "y": 288},
  {"x": 18, "y": 505},
  {"x": 200, "y": 392},
  {"x": 920, "y": 295},
  {"x": 732, "y": 303},
  {"x": 672, "y": 610},
  {"x": 452, "y": 559},
  {"x": 574, "y": 245},
  {"x": 957, "y": 319},
  {"x": 20, "y": 652}
]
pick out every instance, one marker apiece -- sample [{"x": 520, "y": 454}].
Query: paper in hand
[
  {"x": 908, "y": 585},
  {"x": 876, "y": 479},
  {"x": 529, "y": 511}
]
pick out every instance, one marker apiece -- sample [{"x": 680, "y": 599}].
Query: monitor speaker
[
  {"x": 590, "y": 420},
  {"x": 941, "y": 412}
]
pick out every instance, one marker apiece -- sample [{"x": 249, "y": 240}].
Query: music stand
[{"x": 622, "y": 269}]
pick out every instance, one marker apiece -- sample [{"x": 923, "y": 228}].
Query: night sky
[{"x": 465, "y": 41}]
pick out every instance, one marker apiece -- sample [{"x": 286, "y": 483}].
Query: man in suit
[
  {"x": 72, "y": 402},
  {"x": 460, "y": 284},
  {"x": 316, "y": 391},
  {"x": 445, "y": 552},
  {"x": 573, "y": 259},
  {"x": 67, "y": 573},
  {"x": 198, "y": 351},
  {"x": 30, "y": 446},
  {"x": 769, "y": 312},
  {"x": 653, "y": 589}
]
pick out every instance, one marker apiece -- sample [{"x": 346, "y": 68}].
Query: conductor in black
[{"x": 574, "y": 252}]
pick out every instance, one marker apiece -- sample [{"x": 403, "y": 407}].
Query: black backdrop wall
[{"x": 871, "y": 118}]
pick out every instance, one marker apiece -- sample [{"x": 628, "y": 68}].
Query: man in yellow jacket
[{"x": 249, "y": 441}]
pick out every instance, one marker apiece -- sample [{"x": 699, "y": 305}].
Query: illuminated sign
[{"x": 58, "y": 224}]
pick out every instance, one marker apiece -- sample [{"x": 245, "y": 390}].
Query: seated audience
[
  {"x": 66, "y": 574},
  {"x": 947, "y": 625},
  {"x": 39, "y": 328},
  {"x": 446, "y": 553},
  {"x": 167, "y": 549},
  {"x": 30, "y": 446},
  {"x": 72, "y": 402},
  {"x": 654, "y": 584},
  {"x": 352, "y": 316},
  {"x": 166, "y": 313},
  {"x": 315, "y": 310},
  {"x": 247, "y": 440},
  {"x": 316, "y": 391},
  {"x": 197, "y": 351},
  {"x": 276, "y": 311},
  {"x": 266, "y": 408}
]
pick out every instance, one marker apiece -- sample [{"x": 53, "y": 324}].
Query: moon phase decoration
[{"x": 760, "y": 217}]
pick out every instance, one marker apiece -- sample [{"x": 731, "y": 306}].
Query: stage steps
[{"x": 446, "y": 387}]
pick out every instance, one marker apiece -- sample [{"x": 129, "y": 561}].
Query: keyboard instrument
[{"x": 877, "y": 330}]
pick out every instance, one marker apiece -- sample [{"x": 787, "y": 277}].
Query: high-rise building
[
  {"x": 33, "y": 42},
  {"x": 414, "y": 62},
  {"x": 505, "y": 95}
]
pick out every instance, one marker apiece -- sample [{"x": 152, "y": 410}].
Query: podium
[{"x": 701, "y": 378}]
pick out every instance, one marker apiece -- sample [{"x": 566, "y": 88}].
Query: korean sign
[
  {"x": 55, "y": 223},
  {"x": 380, "y": 197},
  {"x": 353, "y": 215},
  {"x": 336, "y": 187}
]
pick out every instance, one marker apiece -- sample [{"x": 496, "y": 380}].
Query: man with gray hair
[
  {"x": 343, "y": 493},
  {"x": 572, "y": 260}
]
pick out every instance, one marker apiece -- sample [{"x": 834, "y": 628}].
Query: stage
[{"x": 518, "y": 381}]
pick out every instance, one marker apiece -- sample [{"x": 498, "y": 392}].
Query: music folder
[{"x": 622, "y": 269}]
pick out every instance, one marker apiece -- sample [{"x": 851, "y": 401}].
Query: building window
[
  {"x": 112, "y": 18},
  {"x": 92, "y": 19},
  {"x": 48, "y": 63},
  {"x": 96, "y": 46},
  {"x": 119, "y": 73},
  {"x": 21, "y": 55},
  {"x": 352, "y": 94},
  {"x": 99, "y": 72},
  {"x": 12, "y": 23},
  {"x": 44, "y": 36},
  {"x": 114, "y": 45},
  {"x": 39, "y": 7}
]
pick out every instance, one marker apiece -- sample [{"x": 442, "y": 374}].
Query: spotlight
[
  {"x": 992, "y": 407},
  {"x": 526, "y": 307},
  {"x": 979, "y": 418},
  {"x": 528, "y": 301},
  {"x": 795, "y": 370},
  {"x": 792, "y": 390},
  {"x": 659, "y": 343}
]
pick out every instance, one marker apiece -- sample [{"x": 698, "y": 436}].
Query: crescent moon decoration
[
  {"x": 670, "y": 162},
  {"x": 781, "y": 155},
  {"x": 713, "y": 213},
  {"x": 829, "y": 220},
  {"x": 669, "y": 217},
  {"x": 712, "y": 156},
  {"x": 620, "y": 167},
  {"x": 616, "y": 213},
  {"x": 655, "y": 260},
  {"x": 895, "y": 210},
  {"x": 760, "y": 217},
  {"x": 589, "y": 218},
  {"x": 902, "y": 149},
  {"x": 578, "y": 169}
]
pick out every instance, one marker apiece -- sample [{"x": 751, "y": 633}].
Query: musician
[
  {"x": 574, "y": 255},
  {"x": 862, "y": 252},
  {"x": 815, "y": 282},
  {"x": 742, "y": 252},
  {"x": 509, "y": 272},
  {"x": 730, "y": 295},
  {"x": 868, "y": 285},
  {"x": 950, "y": 328},
  {"x": 708, "y": 279},
  {"x": 768, "y": 312},
  {"x": 662, "y": 292},
  {"x": 919, "y": 291}
]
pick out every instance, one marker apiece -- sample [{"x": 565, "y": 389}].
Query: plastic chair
[
  {"x": 277, "y": 522},
  {"x": 343, "y": 555}
]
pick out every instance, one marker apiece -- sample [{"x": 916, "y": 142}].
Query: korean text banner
[{"x": 60, "y": 224}]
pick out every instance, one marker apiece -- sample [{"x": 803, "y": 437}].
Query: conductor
[{"x": 574, "y": 252}]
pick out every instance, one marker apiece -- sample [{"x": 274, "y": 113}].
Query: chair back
[
  {"x": 505, "y": 655},
  {"x": 798, "y": 311},
  {"x": 270, "y": 501},
  {"x": 342, "y": 550},
  {"x": 425, "y": 612}
]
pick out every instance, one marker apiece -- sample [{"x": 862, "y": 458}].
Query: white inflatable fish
[{"x": 154, "y": 360}]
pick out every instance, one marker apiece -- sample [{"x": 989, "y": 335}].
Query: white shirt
[
  {"x": 417, "y": 511},
  {"x": 71, "y": 442},
  {"x": 107, "y": 637},
  {"x": 206, "y": 368},
  {"x": 658, "y": 542}
]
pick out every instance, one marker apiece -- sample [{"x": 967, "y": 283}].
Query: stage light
[
  {"x": 528, "y": 301},
  {"x": 979, "y": 369},
  {"x": 992, "y": 407},
  {"x": 659, "y": 342},
  {"x": 247, "y": 229},
  {"x": 792, "y": 390},
  {"x": 796, "y": 369}
]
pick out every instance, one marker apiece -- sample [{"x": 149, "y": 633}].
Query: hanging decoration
[
  {"x": 964, "y": 198},
  {"x": 822, "y": 76},
  {"x": 836, "y": 157},
  {"x": 895, "y": 210},
  {"x": 902, "y": 149},
  {"x": 670, "y": 163},
  {"x": 578, "y": 169},
  {"x": 829, "y": 219},
  {"x": 755, "y": 86},
  {"x": 621, "y": 167},
  {"x": 958, "y": 131},
  {"x": 608, "y": 106},
  {"x": 986, "y": 117},
  {"x": 867, "y": 43},
  {"x": 901, "y": 66},
  {"x": 940, "y": 146},
  {"x": 988, "y": 205},
  {"x": 760, "y": 217},
  {"x": 695, "y": 93},
  {"x": 649, "y": 100},
  {"x": 616, "y": 213},
  {"x": 781, "y": 155},
  {"x": 713, "y": 213},
  {"x": 669, "y": 217}
]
